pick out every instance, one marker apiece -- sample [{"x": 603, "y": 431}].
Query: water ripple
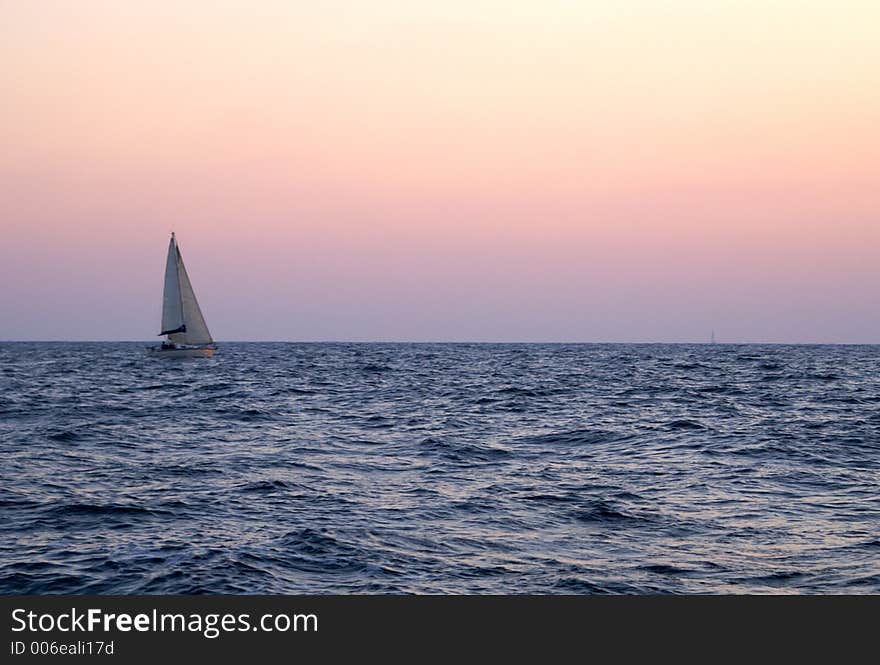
[{"x": 440, "y": 468}]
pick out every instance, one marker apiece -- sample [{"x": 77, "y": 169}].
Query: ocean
[{"x": 279, "y": 468}]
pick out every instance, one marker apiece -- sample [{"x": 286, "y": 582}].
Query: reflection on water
[{"x": 432, "y": 468}]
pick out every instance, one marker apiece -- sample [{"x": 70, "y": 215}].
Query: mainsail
[{"x": 182, "y": 318}]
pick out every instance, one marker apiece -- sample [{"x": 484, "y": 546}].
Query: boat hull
[{"x": 195, "y": 352}]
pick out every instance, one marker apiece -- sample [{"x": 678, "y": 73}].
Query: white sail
[
  {"x": 182, "y": 318},
  {"x": 172, "y": 307},
  {"x": 196, "y": 328}
]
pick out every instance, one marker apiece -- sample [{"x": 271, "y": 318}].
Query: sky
[{"x": 474, "y": 170}]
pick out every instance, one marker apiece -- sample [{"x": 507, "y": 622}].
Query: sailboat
[{"x": 182, "y": 319}]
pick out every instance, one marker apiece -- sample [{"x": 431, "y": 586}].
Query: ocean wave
[{"x": 441, "y": 468}]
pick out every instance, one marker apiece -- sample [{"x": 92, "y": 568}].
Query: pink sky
[{"x": 466, "y": 170}]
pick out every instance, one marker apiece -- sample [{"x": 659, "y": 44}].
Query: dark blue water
[{"x": 434, "y": 468}]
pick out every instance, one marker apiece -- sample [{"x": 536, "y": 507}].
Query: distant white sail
[{"x": 182, "y": 318}]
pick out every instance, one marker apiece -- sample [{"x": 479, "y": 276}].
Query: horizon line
[{"x": 458, "y": 341}]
